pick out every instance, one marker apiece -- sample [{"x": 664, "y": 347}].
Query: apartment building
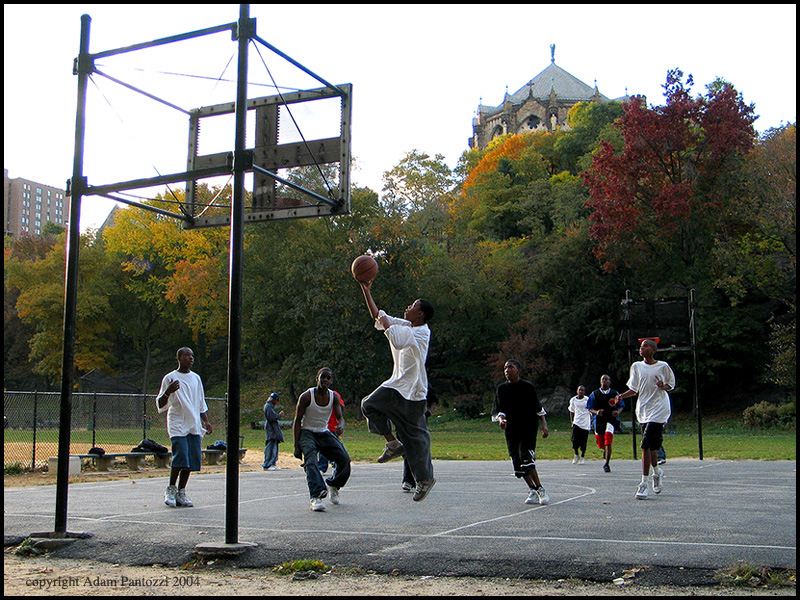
[{"x": 28, "y": 205}]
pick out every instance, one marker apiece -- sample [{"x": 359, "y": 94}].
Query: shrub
[
  {"x": 15, "y": 469},
  {"x": 787, "y": 414},
  {"x": 469, "y": 406},
  {"x": 765, "y": 415}
]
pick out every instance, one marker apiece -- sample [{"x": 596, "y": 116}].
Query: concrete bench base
[
  {"x": 134, "y": 460},
  {"x": 214, "y": 456}
]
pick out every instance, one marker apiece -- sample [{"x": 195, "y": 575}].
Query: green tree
[
  {"x": 683, "y": 204},
  {"x": 303, "y": 310},
  {"x": 590, "y": 123},
  {"x": 175, "y": 280},
  {"x": 40, "y": 304},
  {"x": 418, "y": 182},
  {"x": 17, "y": 371},
  {"x": 665, "y": 192}
]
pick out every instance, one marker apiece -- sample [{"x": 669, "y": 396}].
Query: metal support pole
[
  {"x": 77, "y": 189},
  {"x": 693, "y": 329},
  {"x": 628, "y": 301},
  {"x": 35, "y": 419},
  {"x": 245, "y": 30},
  {"x": 94, "y": 419}
]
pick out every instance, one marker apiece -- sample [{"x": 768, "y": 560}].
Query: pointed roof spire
[{"x": 552, "y": 53}]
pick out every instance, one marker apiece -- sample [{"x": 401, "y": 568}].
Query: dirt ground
[
  {"x": 43, "y": 575},
  {"x": 32, "y": 576}
]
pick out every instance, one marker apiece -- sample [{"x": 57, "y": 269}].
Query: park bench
[
  {"x": 259, "y": 425},
  {"x": 133, "y": 460}
]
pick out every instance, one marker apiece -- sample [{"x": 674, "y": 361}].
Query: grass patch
[
  {"x": 15, "y": 469},
  {"x": 293, "y": 566},
  {"x": 453, "y": 438},
  {"x": 456, "y": 438},
  {"x": 751, "y": 576}
]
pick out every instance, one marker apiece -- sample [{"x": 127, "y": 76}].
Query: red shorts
[{"x": 604, "y": 440}]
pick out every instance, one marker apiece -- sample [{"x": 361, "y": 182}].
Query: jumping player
[
  {"x": 516, "y": 407},
  {"x": 400, "y": 400}
]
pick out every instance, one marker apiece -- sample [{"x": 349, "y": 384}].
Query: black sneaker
[
  {"x": 393, "y": 449},
  {"x": 607, "y": 468},
  {"x": 423, "y": 488}
]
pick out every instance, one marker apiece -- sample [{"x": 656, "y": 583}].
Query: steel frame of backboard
[
  {"x": 237, "y": 164},
  {"x": 268, "y": 156}
]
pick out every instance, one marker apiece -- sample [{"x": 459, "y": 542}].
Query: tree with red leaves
[{"x": 659, "y": 202}]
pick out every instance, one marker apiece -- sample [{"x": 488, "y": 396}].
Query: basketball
[{"x": 364, "y": 268}]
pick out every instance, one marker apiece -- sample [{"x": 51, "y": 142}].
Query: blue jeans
[
  {"x": 186, "y": 452},
  {"x": 312, "y": 443},
  {"x": 270, "y": 453},
  {"x": 323, "y": 462}
]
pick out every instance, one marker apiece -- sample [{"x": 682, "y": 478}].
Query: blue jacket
[{"x": 271, "y": 425}]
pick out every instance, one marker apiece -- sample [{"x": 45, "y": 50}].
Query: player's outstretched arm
[{"x": 371, "y": 306}]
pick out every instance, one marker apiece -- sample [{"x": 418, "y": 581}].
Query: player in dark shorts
[
  {"x": 605, "y": 405},
  {"x": 518, "y": 410}
]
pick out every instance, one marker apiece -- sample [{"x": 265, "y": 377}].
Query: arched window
[{"x": 530, "y": 123}]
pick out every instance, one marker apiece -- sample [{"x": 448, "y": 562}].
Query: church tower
[{"x": 541, "y": 104}]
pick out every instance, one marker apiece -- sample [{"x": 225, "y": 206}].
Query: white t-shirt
[
  {"x": 583, "y": 418},
  {"x": 652, "y": 404},
  {"x": 184, "y": 406},
  {"x": 409, "y": 347}
]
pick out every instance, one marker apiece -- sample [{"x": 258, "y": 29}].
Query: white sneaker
[
  {"x": 641, "y": 491},
  {"x": 170, "y": 496},
  {"x": 317, "y": 505},
  {"x": 181, "y": 499},
  {"x": 273, "y": 468},
  {"x": 656, "y": 478},
  {"x": 533, "y": 498},
  {"x": 333, "y": 494},
  {"x": 575, "y": 459},
  {"x": 544, "y": 499},
  {"x": 582, "y": 461}
]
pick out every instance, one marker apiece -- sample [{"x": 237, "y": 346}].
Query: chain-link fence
[{"x": 114, "y": 422}]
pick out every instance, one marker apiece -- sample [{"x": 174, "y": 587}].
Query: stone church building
[{"x": 541, "y": 104}]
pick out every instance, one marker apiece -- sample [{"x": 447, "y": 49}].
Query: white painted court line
[
  {"x": 410, "y": 537},
  {"x": 514, "y": 515}
]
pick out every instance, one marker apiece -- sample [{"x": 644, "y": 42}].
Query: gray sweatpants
[{"x": 386, "y": 407}]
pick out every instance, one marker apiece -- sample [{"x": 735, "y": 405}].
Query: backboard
[
  {"x": 283, "y": 124},
  {"x": 669, "y": 319}
]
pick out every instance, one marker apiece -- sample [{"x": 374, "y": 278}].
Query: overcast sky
[{"x": 418, "y": 73}]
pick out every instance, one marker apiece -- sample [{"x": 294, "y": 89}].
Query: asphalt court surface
[{"x": 710, "y": 515}]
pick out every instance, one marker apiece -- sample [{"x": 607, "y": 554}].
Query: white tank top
[{"x": 316, "y": 417}]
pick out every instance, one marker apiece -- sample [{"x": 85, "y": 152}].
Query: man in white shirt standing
[
  {"x": 400, "y": 400},
  {"x": 581, "y": 420},
  {"x": 651, "y": 379},
  {"x": 182, "y": 397}
]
